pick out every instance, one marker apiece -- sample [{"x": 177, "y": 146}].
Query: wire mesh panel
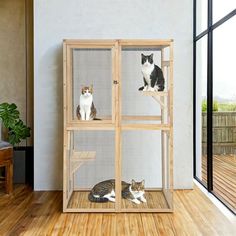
[
  {"x": 92, "y": 162},
  {"x": 142, "y": 161},
  {"x": 92, "y": 68},
  {"x": 133, "y": 103},
  {"x": 140, "y": 104}
]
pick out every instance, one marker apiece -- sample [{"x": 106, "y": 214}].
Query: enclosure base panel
[{"x": 156, "y": 202}]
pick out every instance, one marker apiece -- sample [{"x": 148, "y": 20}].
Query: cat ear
[
  {"x": 91, "y": 86},
  {"x": 142, "y": 55},
  {"x": 143, "y": 182},
  {"x": 132, "y": 182},
  {"x": 151, "y": 55}
]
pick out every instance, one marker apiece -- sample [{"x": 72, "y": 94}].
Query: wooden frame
[{"x": 73, "y": 160}]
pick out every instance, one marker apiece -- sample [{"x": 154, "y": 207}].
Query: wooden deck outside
[{"x": 224, "y": 178}]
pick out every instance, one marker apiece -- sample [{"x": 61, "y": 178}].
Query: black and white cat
[{"x": 152, "y": 75}]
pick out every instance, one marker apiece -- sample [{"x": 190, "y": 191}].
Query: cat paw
[
  {"x": 143, "y": 200},
  {"x": 112, "y": 199},
  {"x": 151, "y": 89},
  {"x": 146, "y": 88},
  {"x": 136, "y": 201}
]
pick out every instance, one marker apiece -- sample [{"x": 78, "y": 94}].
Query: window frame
[{"x": 210, "y": 40}]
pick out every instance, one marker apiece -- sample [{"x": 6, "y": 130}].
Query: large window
[{"x": 215, "y": 98}]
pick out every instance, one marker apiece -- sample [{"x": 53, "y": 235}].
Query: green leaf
[{"x": 17, "y": 130}]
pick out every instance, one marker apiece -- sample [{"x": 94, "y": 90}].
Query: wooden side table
[{"x": 6, "y": 160}]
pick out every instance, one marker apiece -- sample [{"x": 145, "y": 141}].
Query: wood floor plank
[
  {"x": 40, "y": 213},
  {"x": 108, "y": 224},
  {"x": 149, "y": 226}
]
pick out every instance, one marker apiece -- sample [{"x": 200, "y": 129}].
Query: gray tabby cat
[{"x": 105, "y": 191}]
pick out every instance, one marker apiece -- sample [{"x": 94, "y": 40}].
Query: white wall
[{"x": 55, "y": 20}]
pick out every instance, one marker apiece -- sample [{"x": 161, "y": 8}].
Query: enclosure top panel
[
  {"x": 91, "y": 42},
  {"x": 126, "y": 43},
  {"x": 145, "y": 43}
]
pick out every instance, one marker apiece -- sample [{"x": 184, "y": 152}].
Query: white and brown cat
[
  {"x": 105, "y": 191},
  {"x": 86, "y": 109}
]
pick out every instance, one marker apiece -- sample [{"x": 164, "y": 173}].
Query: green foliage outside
[
  {"x": 215, "y": 106},
  {"x": 227, "y": 107},
  {"x": 10, "y": 117},
  {"x": 219, "y": 106}
]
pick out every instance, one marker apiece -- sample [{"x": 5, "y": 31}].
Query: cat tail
[
  {"x": 91, "y": 198},
  {"x": 96, "y": 119}
]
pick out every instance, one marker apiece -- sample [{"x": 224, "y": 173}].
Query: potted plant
[
  {"x": 14, "y": 132},
  {"x": 16, "y": 129}
]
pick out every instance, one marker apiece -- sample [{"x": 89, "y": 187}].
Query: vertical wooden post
[
  {"x": 64, "y": 127},
  {"x": 163, "y": 143},
  {"x": 171, "y": 126},
  {"x": 69, "y": 83},
  {"x": 114, "y": 87},
  {"x": 118, "y": 127}
]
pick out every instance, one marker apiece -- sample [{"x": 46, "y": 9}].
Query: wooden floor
[
  {"x": 155, "y": 199},
  {"x": 224, "y": 178},
  {"x": 40, "y": 213}
]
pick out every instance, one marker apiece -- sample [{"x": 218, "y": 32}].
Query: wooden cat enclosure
[{"x": 133, "y": 138}]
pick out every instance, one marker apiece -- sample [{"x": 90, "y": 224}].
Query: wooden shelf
[
  {"x": 79, "y": 158},
  {"x": 154, "y": 93},
  {"x": 90, "y": 126},
  {"x": 145, "y": 127},
  {"x": 158, "y": 96},
  {"x": 141, "y": 118},
  {"x": 125, "y": 126}
]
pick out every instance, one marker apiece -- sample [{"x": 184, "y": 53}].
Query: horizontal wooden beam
[
  {"x": 145, "y": 42},
  {"x": 145, "y": 127},
  {"x": 102, "y": 210},
  {"x": 141, "y": 118},
  {"x": 91, "y": 127},
  {"x": 104, "y": 120},
  {"x": 90, "y": 43},
  {"x": 148, "y": 210},
  {"x": 90, "y": 210}
]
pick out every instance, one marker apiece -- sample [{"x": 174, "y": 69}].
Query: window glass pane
[
  {"x": 201, "y": 115},
  {"x": 201, "y": 21},
  {"x": 224, "y": 113},
  {"x": 222, "y": 8}
]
